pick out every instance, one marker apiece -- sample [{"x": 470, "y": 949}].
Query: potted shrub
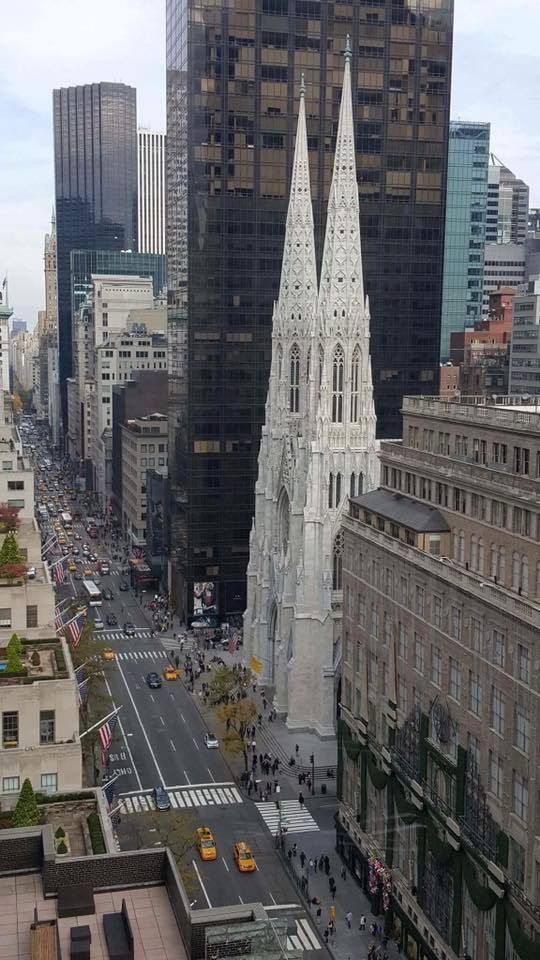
[
  {"x": 26, "y": 812},
  {"x": 12, "y": 566}
]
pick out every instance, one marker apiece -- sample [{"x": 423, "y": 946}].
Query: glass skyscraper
[
  {"x": 233, "y": 77},
  {"x": 95, "y": 160},
  {"x": 465, "y": 231}
]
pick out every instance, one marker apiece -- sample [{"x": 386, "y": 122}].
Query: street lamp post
[{"x": 312, "y": 761}]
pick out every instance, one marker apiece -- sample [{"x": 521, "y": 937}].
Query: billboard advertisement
[{"x": 204, "y": 598}]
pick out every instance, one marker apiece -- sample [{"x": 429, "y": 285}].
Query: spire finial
[
  {"x": 348, "y": 51},
  {"x": 302, "y": 85}
]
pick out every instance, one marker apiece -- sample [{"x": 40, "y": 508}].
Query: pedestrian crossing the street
[
  {"x": 292, "y": 817},
  {"x": 305, "y": 937},
  {"x": 206, "y": 795}
]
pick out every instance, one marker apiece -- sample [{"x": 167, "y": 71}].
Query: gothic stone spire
[
  {"x": 296, "y": 304},
  {"x": 341, "y": 293}
]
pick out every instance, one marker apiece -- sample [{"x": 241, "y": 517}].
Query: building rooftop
[
  {"x": 155, "y": 930},
  {"x": 517, "y": 413},
  {"x": 403, "y": 510},
  {"x": 53, "y": 663}
]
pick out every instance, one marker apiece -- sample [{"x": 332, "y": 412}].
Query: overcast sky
[{"x": 52, "y": 43}]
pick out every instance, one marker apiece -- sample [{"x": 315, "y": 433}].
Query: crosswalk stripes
[
  {"x": 141, "y": 655},
  {"x": 294, "y": 818},
  {"x": 305, "y": 937},
  {"x": 202, "y": 796}
]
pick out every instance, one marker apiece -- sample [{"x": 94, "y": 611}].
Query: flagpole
[
  {"x": 112, "y": 780},
  {"x": 81, "y": 666},
  {"x": 100, "y": 722}
]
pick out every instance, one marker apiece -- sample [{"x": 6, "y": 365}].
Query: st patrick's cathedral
[{"x": 318, "y": 443}]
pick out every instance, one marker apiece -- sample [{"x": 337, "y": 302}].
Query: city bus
[
  {"x": 67, "y": 522},
  {"x": 91, "y": 593}
]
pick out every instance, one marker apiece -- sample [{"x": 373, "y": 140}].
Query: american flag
[
  {"x": 59, "y": 570},
  {"x": 108, "y": 790},
  {"x": 138, "y": 553},
  {"x": 58, "y": 618},
  {"x": 81, "y": 693},
  {"x": 51, "y": 544},
  {"x": 106, "y": 732},
  {"x": 75, "y": 630}
]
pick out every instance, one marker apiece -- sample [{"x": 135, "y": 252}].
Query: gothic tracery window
[
  {"x": 338, "y": 490},
  {"x": 331, "y": 490},
  {"x": 279, "y": 361},
  {"x": 337, "y": 565},
  {"x": 294, "y": 385},
  {"x": 321, "y": 366},
  {"x": 355, "y": 385},
  {"x": 337, "y": 385}
]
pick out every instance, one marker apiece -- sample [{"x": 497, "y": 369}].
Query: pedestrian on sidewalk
[
  {"x": 362, "y": 923},
  {"x": 332, "y": 915},
  {"x": 294, "y": 849},
  {"x": 315, "y": 865},
  {"x": 326, "y": 935},
  {"x": 318, "y": 915},
  {"x": 321, "y": 862},
  {"x": 333, "y": 892},
  {"x": 311, "y": 864},
  {"x": 326, "y": 864},
  {"x": 343, "y": 873},
  {"x": 331, "y": 882},
  {"x": 301, "y": 800},
  {"x": 348, "y": 918},
  {"x": 302, "y": 859}
]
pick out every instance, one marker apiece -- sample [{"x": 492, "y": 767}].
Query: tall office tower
[
  {"x": 150, "y": 191},
  {"x": 465, "y": 230},
  {"x": 232, "y": 81},
  {"x": 95, "y": 159},
  {"x": 508, "y": 205}
]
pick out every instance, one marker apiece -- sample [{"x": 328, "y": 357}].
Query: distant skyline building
[
  {"x": 233, "y": 76},
  {"x": 525, "y": 348},
  {"x": 508, "y": 205},
  {"x": 151, "y": 191},
  {"x": 95, "y": 158},
  {"x": 465, "y": 229},
  {"x": 504, "y": 266}
]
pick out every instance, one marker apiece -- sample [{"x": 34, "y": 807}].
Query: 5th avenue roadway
[{"x": 159, "y": 742}]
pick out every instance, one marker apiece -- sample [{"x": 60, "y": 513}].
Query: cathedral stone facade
[{"x": 318, "y": 443}]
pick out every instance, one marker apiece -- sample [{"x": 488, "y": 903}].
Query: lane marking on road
[
  {"x": 187, "y": 778},
  {"x": 182, "y": 715},
  {"x": 145, "y": 735},
  {"x": 122, "y": 731},
  {"x": 225, "y": 864},
  {"x": 152, "y": 698},
  {"x": 211, "y": 774},
  {"x": 272, "y": 898},
  {"x": 172, "y": 744},
  {"x": 196, "y": 744},
  {"x": 203, "y": 888},
  {"x": 162, "y": 720}
]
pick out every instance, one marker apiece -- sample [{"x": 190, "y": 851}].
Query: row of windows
[
  {"x": 478, "y": 450},
  {"x": 48, "y": 783},
  {"x": 10, "y": 727},
  {"x": 338, "y": 364},
  {"x": 31, "y": 616}
]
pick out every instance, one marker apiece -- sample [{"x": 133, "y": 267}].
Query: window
[
  {"x": 362, "y": 612},
  {"x": 10, "y": 728},
  {"x": 5, "y": 616},
  {"x": 388, "y": 629},
  {"x": 402, "y": 695},
  {"x": 436, "y": 665},
  {"x": 337, "y": 386},
  {"x": 475, "y": 693},
  {"x": 294, "y": 392},
  {"x": 402, "y": 641},
  {"x": 337, "y": 578},
  {"x": 49, "y": 782},
  {"x": 498, "y": 648},
  {"x": 355, "y": 384},
  {"x": 456, "y": 623},
  {"x": 473, "y": 748},
  {"x": 46, "y": 726},
  {"x": 374, "y": 621},
  {"x": 32, "y": 615},
  {"x": 523, "y": 663},
  {"x": 476, "y": 635},
  {"x": 419, "y": 600},
  {"x": 517, "y": 862},
  {"x": 10, "y": 784},
  {"x": 437, "y": 611},
  {"x": 455, "y": 679},
  {"x": 497, "y": 711},
  {"x": 520, "y": 795},
  {"x": 522, "y": 728},
  {"x": 495, "y": 774},
  {"x": 418, "y": 653}
]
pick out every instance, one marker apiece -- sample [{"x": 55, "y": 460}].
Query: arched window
[
  {"x": 502, "y": 566},
  {"x": 331, "y": 490},
  {"x": 481, "y": 555},
  {"x": 461, "y": 547},
  {"x": 308, "y": 365},
  {"x": 338, "y": 489},
  {"x": 360, "y": 485},
  {"x": 353, "y": 485},
  {"x": 525, "y": 576},
  {"x": 279, "y": 361},
  {"x": 294, "y": 386},
  {"x": 337, "y": 565},
  {"x": 494, "y": 559},
  {"x": 516, "y": 571},
  {"x": 474, "y": 553},
  {"x": 321, "y": 368},
  {"x": 455, "y": 545},
  {"x": 355, "y": 385},
  {"x": 284, "y": 517},
  {"x": 337, "y": 385}
]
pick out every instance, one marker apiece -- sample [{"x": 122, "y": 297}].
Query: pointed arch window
[
  {"x": 279, "y": 361},
  {"x": 353, "y": 485},
  {"x": 321, "y": 367},
  {"x": 308, "y": 365},
  {"x": 355, "y": 385},
  {"x": 331, "y": 490},
  {"x": 360, "y": 485},
  {"x": 337, "y": 385},
  {"x": 338, "y": 489},
  {"x": 337, "y": 564},
  {"x": 294, "y": 383}
]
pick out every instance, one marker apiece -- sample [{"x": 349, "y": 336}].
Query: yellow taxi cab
[
  {"x": 62, "y": 540},
  {"x": 205, "y": 843},
  {"x": 108, "y": 654},
  {"x": 170, "y": 673},
  {"x": 87, "y": 573},
  {"x": 243, "y": 857},
  {"x": 71, "y": 567}
]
